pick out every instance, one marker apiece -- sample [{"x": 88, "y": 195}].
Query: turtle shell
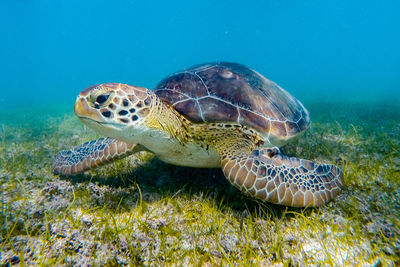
[{"x": 231, "y": 92}]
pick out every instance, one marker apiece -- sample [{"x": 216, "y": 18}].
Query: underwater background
[
  {"x": 51, "y": 50},
  {"x": 341, "y": 59}
]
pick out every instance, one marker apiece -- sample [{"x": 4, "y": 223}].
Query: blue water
[{"x": 51, "y": 50}]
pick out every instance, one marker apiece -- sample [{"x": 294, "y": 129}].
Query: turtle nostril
[{"x": 102, "y": 98}]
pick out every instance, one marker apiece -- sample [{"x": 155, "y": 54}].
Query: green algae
[{"x": 141, "y": 211}]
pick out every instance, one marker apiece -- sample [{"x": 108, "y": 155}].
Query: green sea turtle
[{"x": 212, "y": 115}]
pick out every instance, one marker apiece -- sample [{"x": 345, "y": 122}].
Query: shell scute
[
  {"x": 214, "y": 110},
  {"x": 259, "y": 121},
  {"x": 184, "y": 82},
  {"x": 191, "y": 108}
]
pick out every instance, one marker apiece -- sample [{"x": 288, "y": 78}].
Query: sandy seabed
[{"x": 141, "y": 211}]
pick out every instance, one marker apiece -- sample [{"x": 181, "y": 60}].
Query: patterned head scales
[
  {"x": 231, "y": 92},
  {"x": 113, "y": 103}
]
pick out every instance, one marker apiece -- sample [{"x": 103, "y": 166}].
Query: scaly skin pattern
[
  {"x": 90, "y": 155},
  {"x": 267, "y": 174},
  {"x": 282, "y": 180},
  {"x": 139, "y": 120}
]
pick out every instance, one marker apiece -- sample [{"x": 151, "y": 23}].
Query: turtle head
[{"x": 112, "y": 108}]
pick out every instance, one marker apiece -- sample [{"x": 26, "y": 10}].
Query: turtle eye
[{"x": 101, "y": 99}]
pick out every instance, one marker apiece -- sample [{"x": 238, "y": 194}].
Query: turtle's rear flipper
[
  {"x": 283, "y": 180},
  {"x": 91, "y": 154}
]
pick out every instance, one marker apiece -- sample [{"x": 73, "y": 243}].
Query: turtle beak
[{"x": 84, "y": 111}]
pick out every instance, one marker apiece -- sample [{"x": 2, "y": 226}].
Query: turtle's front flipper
[
  {"x": 282, "y": 180},
  {"x": 91, "y": 154}
]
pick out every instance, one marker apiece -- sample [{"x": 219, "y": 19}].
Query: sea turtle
[{"x": 210, "y": 115}]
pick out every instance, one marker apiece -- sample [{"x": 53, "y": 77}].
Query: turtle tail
[{"x": 90, "y": 155}]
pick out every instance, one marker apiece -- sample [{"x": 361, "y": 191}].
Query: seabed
[{"x": 141, "y": 211}]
